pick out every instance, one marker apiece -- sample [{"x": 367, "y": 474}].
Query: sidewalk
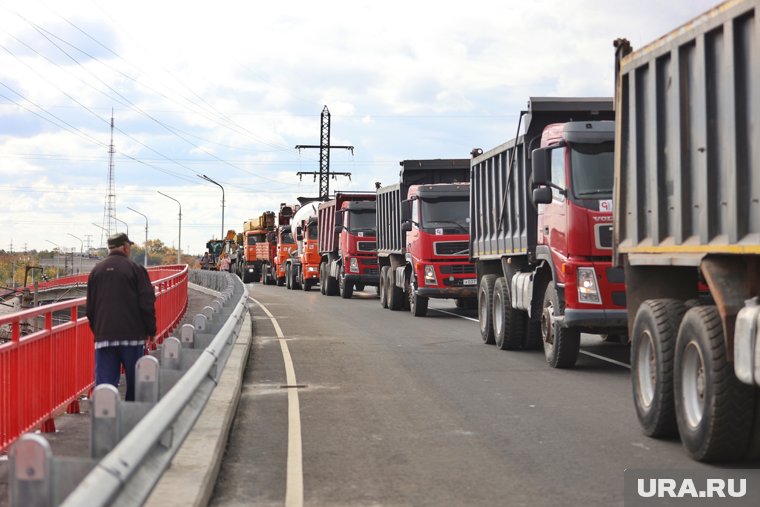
[{"x": 72, "y": 436}]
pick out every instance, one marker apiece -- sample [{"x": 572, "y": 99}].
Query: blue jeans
[{"x": 108, "y": 360}]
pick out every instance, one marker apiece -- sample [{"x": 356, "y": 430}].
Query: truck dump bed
[
  {"x": 687, "y": 171},
  {"x": 502, "y": 214},
  {"x": 390, "y": 238}
]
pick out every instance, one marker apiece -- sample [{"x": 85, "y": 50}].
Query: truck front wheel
[
  {"x": 345, "y": 288},
  {"x": 713, "y": 409},
  {"x": 561, "y": 344},
  {"x": 418, "y": 305},
  {"x": 655, "y": 328},
  {"x": 381, "y": 289},
  {"x": 508, "y": 323},
  {"x": 485, "y": 308}
]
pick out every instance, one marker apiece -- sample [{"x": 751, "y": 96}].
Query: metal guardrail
[{"x": 132, "y": 443}]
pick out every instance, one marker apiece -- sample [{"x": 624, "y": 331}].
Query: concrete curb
[
  {"x": 191, "y": 477},
  {"x": 204, "y": 290}
]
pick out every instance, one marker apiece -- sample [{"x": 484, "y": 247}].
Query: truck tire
[
  {"x": 561, "y": 344},
  {"x": 307, "y": 285},
  {"x": 485, "y": 308},
  {"x": 331, "y": 283},
  {"x": 322, "y": 279},
  {"x": 346, "y": 289},
  {"x": 381, "y": 288},
  {"x": 280, "y": 281},
  {"x": 713, "y": 409},
  {"x": 247, "y": 277},
  {"x": 508, "y": 323},
  {"x": 395, "y": 295},
  {"x": 418, "y": 305},
  {"x": 653, "y": 342},
  {"x": 296, "y": 282},
  {"x": 288, "y": 277}
]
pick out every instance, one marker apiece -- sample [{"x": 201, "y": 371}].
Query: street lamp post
[
  {"x": 122, "y": 221},
  {"x": 146, "y": 234},
  {"x": 57, "y": 261},
  {"x": 81, "y": 250},
  {"x": 203, "y": 176},
  {"x": 179, "y": 242}
]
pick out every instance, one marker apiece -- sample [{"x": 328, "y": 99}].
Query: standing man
[{"x": 121, "y": 310}]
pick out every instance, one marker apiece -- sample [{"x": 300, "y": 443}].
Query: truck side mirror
[
  {"x": 542, "y": 195},
  {"x": 406, "y": 210},
  {"x": 299, "y": 234},
  {"x": 541, "y": 166},
  {"x": 406, "y": 225},
  {"x": 339, "y": 218},
  {"x": 338, "y": 229}
]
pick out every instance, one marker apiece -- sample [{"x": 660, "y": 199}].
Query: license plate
[{"x": 470, "y": 281}]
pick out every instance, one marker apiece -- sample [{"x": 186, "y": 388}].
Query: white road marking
[
  {"x": 294, "y": 482},
  {"x": 455, "y": 314},
  {"x": 601, "y": 358},
  {"x": 607, "y": 359}
]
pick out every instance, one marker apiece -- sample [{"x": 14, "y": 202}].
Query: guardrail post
[
  {"x": 208, "y": 312},
  {"x": 200, "y": 322},
  {"x": 170, "y": 354},
  {"x": 31, "y": 483},
  {"x": 106, "y": 420},
  {"x": 216, "y": 305},
  {"x": 187, "y": 335},
  {"x": 146, "y": 379}
]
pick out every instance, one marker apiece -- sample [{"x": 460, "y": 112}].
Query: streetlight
[
  {"x": 81, "y": 250},
  {"x": 204, "y": 177},
  {"x": 146, "y": 234},
  {"x": 122, "y": 221},
  {"x": 104, "y": 230},
  {"x": 57, "y": 261},
  {"x": 179, "y": 242}
]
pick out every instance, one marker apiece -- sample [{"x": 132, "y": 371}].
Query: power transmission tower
[
  {"x": 324, "y": 157},
  {"x": 109, "y": 209}
]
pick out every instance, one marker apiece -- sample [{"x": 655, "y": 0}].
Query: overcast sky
[{"x": 227, "y": 89}]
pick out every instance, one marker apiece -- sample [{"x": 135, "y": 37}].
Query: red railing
[{"x": 47, "y": 370}]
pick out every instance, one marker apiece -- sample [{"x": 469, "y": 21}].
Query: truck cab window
[
  {"x": 415, "y": 211},
  {"x": 313, "y": 230},
  {"x": 361, "y": 221},
  {"x": 592, "y": 170},
  {"x": 558, "y": 172},
  {"x": 287, "y": 237}
]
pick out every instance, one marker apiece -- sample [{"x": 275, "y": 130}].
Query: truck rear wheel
[
  {"x": 322, "y": 279},
  {"x": 381, "y": 289},
  {"x": 395, "y": 295},
  {"x": 508, "y": 323},
  {"x": 655, "y": 328},
  {"x": 331, "y": 283},
  {"x": 346, "y": 289},
  {"x": 485, "y": 308},
  {"x": 561, "y": 344},
  {"x": 713, "y": 409}
]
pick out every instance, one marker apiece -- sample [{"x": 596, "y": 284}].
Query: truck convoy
[
  {"x": 687, "y": 230},
  {"x": 541, "y": 233},
  {"x": 302, "y": 268},
  {"x": 423, "y": 234},
  {"x": 254, "y": 250},
  {"x": 347, "y": 246}
]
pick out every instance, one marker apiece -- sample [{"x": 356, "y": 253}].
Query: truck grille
[
  {"x": 366, "y": 246},
  {"x": 370, "y": 271},
  {"x": 458, "y": 269},
  {"x": 451, "y": 248}
]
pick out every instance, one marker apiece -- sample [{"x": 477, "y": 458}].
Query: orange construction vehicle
[
  {"x": 302, "y": 269},
  {"x": 286, "y": 245},
  {"x": 254, "y": 249}
]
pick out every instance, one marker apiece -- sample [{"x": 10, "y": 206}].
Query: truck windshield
[
  {"x": 591, "y": 167},
  {"x": 361, "y": 221},
  {"x": 313, "y": 230},
  {"x": 450, "y": 213},
  {"x": 286, "y": 238}
]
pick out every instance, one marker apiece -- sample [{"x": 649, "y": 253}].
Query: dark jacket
[{"x": 120, "y": 300}]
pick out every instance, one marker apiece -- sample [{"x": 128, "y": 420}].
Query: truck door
[{"x": 552, "y": 218}]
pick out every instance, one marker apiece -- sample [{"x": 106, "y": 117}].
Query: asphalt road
[{"x": 398, "y": 410}]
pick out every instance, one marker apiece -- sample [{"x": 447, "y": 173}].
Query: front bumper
[
  {"x": 448, "y": 292},
  {"x": 601, "y": 320}
]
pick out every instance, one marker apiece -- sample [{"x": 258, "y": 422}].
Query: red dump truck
[
  {"x": 347, "y": 244},
  {"x": 687, "y": 230},
  {"x": 541, "y": 234},
  {"x": 302, "y": 268},
  {"x": 422, "y": 235},
  {"x": 254, "y": 250}
]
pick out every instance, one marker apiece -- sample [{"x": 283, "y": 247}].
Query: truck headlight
[
  {"x": 588, "y": 289},
  {"x": 312, "y": 269},
  {"x": 430, "y": 278},
  {"x": 353, "y": 265}
]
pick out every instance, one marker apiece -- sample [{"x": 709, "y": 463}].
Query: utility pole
[
  {"x": 109, "y": 211},
  {"x": 324, "y": 157},
  {"x": 179, "y": 241}
]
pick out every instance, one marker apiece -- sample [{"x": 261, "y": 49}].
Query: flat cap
[{"x": 118, "y": 239}]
